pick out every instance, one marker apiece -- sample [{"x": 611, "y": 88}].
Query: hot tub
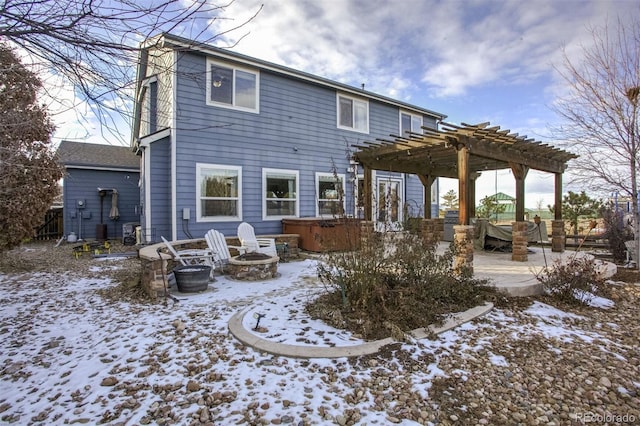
[{"x": 322, "y": 235}]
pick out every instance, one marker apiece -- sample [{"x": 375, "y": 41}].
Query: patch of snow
[
  {"x": 498, "y": 360},
  {"x": 543, "y": 310},
  {"x": 601, "y": 302}
]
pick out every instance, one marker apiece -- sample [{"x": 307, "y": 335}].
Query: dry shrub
[
  {"x": 575, "y": 281},
  {"x": 394, "y": 281}
]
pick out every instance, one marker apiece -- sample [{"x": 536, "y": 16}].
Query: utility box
[
  {"x": 451, "y": 218},
  {"x": 129, "y": 233}
]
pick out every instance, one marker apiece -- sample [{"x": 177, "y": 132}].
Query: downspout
[{"x": 174, "y": 125}]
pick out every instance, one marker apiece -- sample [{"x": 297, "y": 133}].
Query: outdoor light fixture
[{"x": 258, "y": 317}]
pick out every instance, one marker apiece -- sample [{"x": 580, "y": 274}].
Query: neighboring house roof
[
  {"x": 501, "y": 197},
  {"x": 173, "y": 41},
  {"x": 97, "y": 156}
]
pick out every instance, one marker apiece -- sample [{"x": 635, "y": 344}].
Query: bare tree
[
  {"x": 94, "y": 44},
  {"x": 601, "y": 112},
  {"x": 29, "y": 170}
]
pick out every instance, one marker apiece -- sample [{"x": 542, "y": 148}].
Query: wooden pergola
[{"x": 462, "y": 152}]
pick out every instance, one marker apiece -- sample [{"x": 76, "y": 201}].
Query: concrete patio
[{"x": 518, "y": 278}]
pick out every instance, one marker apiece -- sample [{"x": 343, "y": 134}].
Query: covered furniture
[
  {"x": 250, "y": 243},
  {"x": 500, "y": 236}
]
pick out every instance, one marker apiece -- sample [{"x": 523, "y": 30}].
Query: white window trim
[
  {"x": 353, "y": 99},
  {"x": 296, "y": 173},
  {"x": 255, "y": 72},
  {"x": 318, "y": 199},
  {"x": 412, "y": 116},
  {"x": 144, "y": 85},
  {"x": 145, "y": 95},
  {"x": 199, "y": 217}
]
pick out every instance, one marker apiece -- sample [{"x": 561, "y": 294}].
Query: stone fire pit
[{"x": 253, "y": 267}]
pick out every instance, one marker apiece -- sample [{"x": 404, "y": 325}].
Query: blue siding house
[
  {"x": 226, "y": 138},
  {"x": 93, "y": 174}
]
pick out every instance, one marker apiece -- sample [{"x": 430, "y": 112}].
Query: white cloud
[
  {"x": 437, "y": 48},
  {"x": 413, "y": 50}
]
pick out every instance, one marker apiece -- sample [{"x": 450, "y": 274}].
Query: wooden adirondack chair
[
  {"x": 220, "y": 249},
  {"x": 191, "y": 257},
  {"x": 248, "y": 239}
]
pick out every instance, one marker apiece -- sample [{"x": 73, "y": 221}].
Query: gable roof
[
  {"x": 97, "y": 156},
  {"x": 175, "y": 42}
]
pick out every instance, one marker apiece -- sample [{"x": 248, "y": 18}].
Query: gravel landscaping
[{"x": 82, "y": 345}]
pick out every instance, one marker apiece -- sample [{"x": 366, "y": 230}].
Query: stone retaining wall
[{"x": 154, "y": 264}]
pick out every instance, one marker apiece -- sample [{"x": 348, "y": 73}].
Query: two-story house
[{"x": 226, "y": 138}]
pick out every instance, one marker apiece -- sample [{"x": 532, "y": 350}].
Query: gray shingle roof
[{"x": 82, "y": 154}]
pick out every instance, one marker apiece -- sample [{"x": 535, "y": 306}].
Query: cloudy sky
[{"x": 475, "y": 61}]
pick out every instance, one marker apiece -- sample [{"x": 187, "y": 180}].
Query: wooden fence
[{"x": 52, "y": 227}]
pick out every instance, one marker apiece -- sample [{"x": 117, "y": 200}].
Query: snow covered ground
[{"x": 70, "y": 356}]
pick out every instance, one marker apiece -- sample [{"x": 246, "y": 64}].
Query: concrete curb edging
[{"x": 296, "y": 351}]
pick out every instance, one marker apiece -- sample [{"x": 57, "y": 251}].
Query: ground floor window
[
  {"x": 280, "y": 189},
  {"x": 219, "y": 191},
  {"x": 330, "y": 190}
]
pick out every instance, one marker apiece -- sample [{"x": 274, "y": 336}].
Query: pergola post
[
  {"x": 368, "y": 195},
  {"x": 473, "y": 177},
  {"x": 557, "y": 208},
  {"x": 557, "y": 225},
  {"x": 520, "y": 173},
  {"x": 463, "y": 233},
  {"x": 432, "y": 229},
  {"x": 463, "y": 184},
  {"x": 519, "y": 243},
  {"x": 427, "y": 182}
]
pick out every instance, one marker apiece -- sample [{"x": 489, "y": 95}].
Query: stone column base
[
  {"x": 558, "y": 236},
  {"x": 432, "y": 230},
  {"x": 519, "y": 241},
  {"x": 463, "y": 239}
]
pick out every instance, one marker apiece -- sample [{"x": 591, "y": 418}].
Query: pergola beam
[{"x": 462, "y": 151}]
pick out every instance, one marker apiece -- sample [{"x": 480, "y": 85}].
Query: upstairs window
[
  {"x": 410, "y": 123},
  {"x": 353, "y": 114},
  {"x": 148, "y": 98},
  {"x": 232, "y": 87},
  {"x": 153, "y": 106}
]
